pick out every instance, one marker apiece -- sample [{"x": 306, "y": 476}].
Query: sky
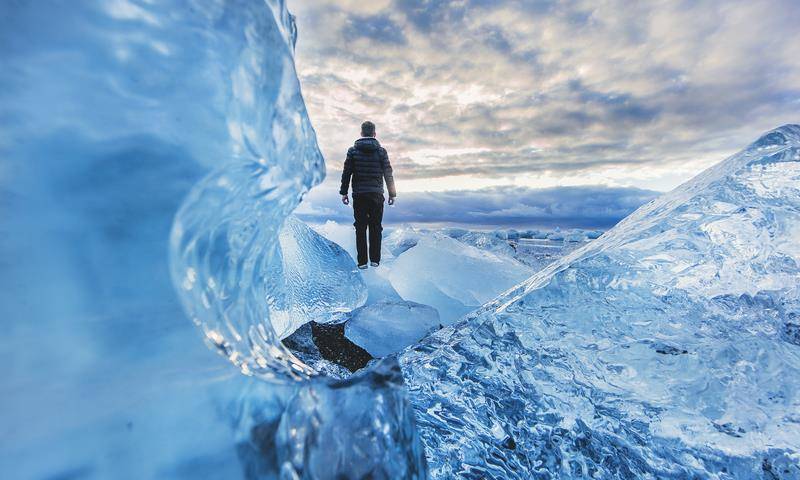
[{"x": 542, "y": 112}]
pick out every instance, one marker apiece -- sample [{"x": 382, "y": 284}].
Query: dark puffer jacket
[{"x": 368, "y": 164}]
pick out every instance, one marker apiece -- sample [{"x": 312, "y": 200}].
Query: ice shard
[
  {"x": 321, "y": 279},
  {"x": 451, "y": 276}
]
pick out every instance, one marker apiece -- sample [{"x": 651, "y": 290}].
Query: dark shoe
[
  {"x": 363, "y": 267},
  {"x": 374, "y": 264}
]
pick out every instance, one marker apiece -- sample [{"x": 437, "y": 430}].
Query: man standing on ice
[{"x": 368, "y": 164}]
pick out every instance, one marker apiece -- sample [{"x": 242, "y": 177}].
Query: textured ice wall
[
  {"x": 101, "y": 136},
  {"x": 223, "y": 249},
  {"x": 668, "y": 348},
  {"x": 114, "y": 114},
  {"x": 245, "y": 283}
]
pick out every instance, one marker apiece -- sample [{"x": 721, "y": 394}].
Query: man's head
[{"x": 368, "y": 129}]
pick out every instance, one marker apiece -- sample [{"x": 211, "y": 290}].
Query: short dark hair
[{"x": 367, "y": 129}]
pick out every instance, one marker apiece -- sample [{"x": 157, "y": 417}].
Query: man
[{"x": 368, "y": 164}]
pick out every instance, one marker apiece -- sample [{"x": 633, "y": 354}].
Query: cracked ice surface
[{"x": 667, "y": 348}]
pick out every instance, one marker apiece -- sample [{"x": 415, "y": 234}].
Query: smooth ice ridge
[
  {"x": 452, "y": 276},
  {"x": 667, "y": 348}
]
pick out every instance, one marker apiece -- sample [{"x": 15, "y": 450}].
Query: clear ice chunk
[
  {"x": 451, "y": 276},
  {"x": 321, "y": 279},
  {"x": 387, "y": 327},
  {"x": 401, "y": 239}
]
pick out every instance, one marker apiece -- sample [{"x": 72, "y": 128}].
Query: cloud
[
  {"x": 379, "y": 28},
  {"x": 429, "y": 14},
  {"x": 643, "y": 94},
  {"x": 586, "y": 207}
]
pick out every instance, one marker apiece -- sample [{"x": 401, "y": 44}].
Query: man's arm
[
  {"x": 388, "y": 175},
  {"x": 347, "y": 172}
]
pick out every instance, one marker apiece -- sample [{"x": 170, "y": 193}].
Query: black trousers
[{"x": 368, "y": 212}]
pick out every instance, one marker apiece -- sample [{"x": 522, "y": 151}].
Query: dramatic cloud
[
  {"x": 470, "y": 94},
  {"x": 586, "y": 207}
]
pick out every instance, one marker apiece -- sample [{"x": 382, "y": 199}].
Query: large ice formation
[
  {"x": 115, "y": 116},
  {"x": 665, "y": 349}
]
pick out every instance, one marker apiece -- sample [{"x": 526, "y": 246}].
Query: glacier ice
[
  {"x": 539, "y": 253},
  {"x": 102, "y": 136},
  {"x": 379, "y": 288},
  {"x": 377, "y": 284},
  {"x": 533, "y": 248},
  {"x": 344, "y": 235},
  {"x": 116, "y": 116},
  {"x": 387, "y": 327},
  {"x": 354, "y": 428},
  {"x": 341, "y": 234},
  {"x": 659, "y": 350},
  {"x": 451, "y": 276}
]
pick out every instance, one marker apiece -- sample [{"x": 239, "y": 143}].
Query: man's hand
[
  {"x": 345, "y": 200},
  {"x": 391, "y": 200}
]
